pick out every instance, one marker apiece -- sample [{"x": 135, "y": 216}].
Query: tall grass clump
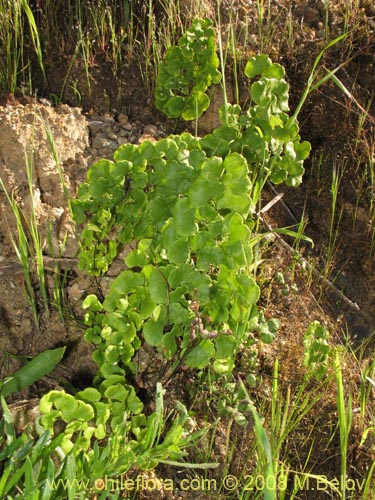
[
  {"x": 19, "y": 43},
  {"x": 22, "y": 249},
  {"x": 27, "y": 243},
  {"x": 28, "y": 240},
  {"x": 12, "y": 60},
  {"x": 58, "y": 37}
]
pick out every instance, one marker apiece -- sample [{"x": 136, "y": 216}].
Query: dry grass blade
[{"x": 342, "y": 87}]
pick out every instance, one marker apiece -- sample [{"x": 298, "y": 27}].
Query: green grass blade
[
  {"x": 37, "y": 368},
  {"x": 4, "y": 480},
  {"x": 15, "y": 479},
  {"x": 264, "y": 445},
  {"x": 34, "y": 35},
  {"x": 47, "y": 490},
  {"x": 345, "y": 419},
  {"x": 309, "y": 87}
]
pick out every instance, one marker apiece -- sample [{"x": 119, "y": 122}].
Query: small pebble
[
  {"x": 95, "y": 126},
  {"x": 146, "y": 137},
  {"x": 112, "y": 136},
  {"x": 123, "y": 119},
  {"x": 100, "y": 142},
  {"x": 122, "y": 140},
  {"x": 128, "y": 126},
  {"x": 150, "y": 130}
]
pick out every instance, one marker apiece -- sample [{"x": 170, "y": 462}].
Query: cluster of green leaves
[
  {"x": 26, "y": 464},
  {"x": 184, "y": 208},
  {"x": 188, "y": 69},
  {"x": 187, "y": 289},
  {"x": 318, "y": 351},
  {"x": 264, "y": 134},
  {"x": 46, "y": 468},
  {"x": 114, "y": 409},
  {"x": 234, "y": 404}
]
